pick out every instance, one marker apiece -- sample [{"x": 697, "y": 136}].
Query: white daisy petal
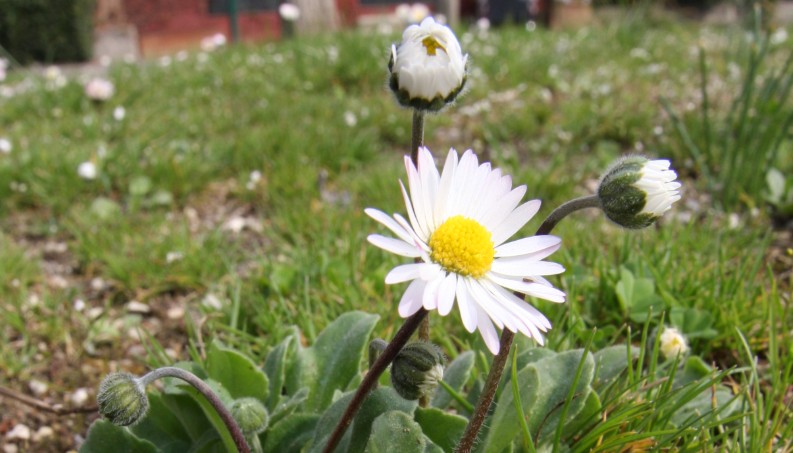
[
  {"x": 518, "y": 267},
  {"x": 502, "y": 207},
  {"x": 389, "y": 223},
  {"x": 447, "y": 176},
  {"x": 430, "y": 298},
  {"x": 466, "y": 306},
  {"x": 404, "y": 273},
  {"x": 411, "y": 300},
  {"x": 488, "y": 332},
  {"x": 424, "y": 235},
  {"x": 530, "y": 288},
  {"x": 395, "y": 246},
  {"x": 515, "y": 221},
  {"x": 529, "y": 245},
  {"x": 446, "y": 294}
]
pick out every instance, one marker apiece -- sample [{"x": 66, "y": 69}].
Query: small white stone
[
  {"x": 212, "y": 301},
  {"x": 171, "y": 257},
  {"x": 43, "y": 433},
  {"x": 79, "y": 305},
  {"x": 10, "y": 448},
  {"x": 5, "y": 146},
  {"x": 79, "y": 397},
  {"x": 119, "y": 113},
  {"x": 175, "y": 313},
  {"x": 97, "y": 284},
  {"x": 134, "y": 306},
  {"x": 19, "y": 432},
  {"x": 38, "y": 387},
  {"x": 87, "y": 170}
]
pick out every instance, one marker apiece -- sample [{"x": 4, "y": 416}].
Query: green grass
[{"x": 551, "y": 108}]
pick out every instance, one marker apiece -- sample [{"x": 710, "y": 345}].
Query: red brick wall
[{"x": 165, "y": 26}]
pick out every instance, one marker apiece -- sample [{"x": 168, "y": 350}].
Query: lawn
[{"x": 228, "y": 205}]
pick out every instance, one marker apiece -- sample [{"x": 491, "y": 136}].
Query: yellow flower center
[
  {"x": 463, "y": 246},
  {"x": 432, "y": 45}
]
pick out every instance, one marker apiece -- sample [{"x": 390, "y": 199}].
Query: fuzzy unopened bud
[
  {"x": 417, "y": 369},
  {"x": 122, "y": 399},
  {"x": 250, "y": 414},
  {"x": 635, "y": 192}
]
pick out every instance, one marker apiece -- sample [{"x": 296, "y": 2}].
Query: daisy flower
[{"x": 458, "y": 227}]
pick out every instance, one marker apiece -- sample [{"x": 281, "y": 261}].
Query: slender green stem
[
  {"x": 589, "y": 201},
  {"x": 417, "y": 135},
  {"x": 417, "y": 141},
  {"x": 524, "y": 426},
  {"x": 488, "y": 392},
  {"x": 212, "y": 398},
  {"x": 500, "y": 360},
  {"x": 383, "y": 360}
]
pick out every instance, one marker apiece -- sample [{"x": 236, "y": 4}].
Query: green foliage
[
  {"x": 48, "y": 31},
  {"x": 734, "y": 146},
  {"x": 616, "y": 391}
]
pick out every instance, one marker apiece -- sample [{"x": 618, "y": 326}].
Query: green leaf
[
  {"x": 275, "y": 366},
  {"x": 443, "y": 428},
  {"x": 637, "y": 296},
  {"x": 236, "y": 372},
  {"x": 162, "y": 427},
  {"x": 544, "y": 386},
  {"x": 333, "y": 360},
  {"x": 210, "y": 413},
  {"x": 693, "y": 369},
  {"x": 456, "y": 375},
  {"x": 105, "y": 436},
  {"x": 289, "y": 405},
  {"x": 395, "y": 431},
  {"x": 703, "y": 404},
  {"x": 610, "y": 362},
  {"x": 379, "y": 401},
  {"x": 140, "y": 186},
  {"x": 503, "y": 425},
  {"x": 291, "y": 434},
  {"x": 693, "y": 322}
]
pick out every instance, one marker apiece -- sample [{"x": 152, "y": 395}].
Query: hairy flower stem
[
  {"x": 589, "y": 201},
  {"x": 212, "y": 398},
  {"x": 488, "y": 392},
  {"x": 383, "y": 360},
  {"x": 417, "y": 140},
  {"x": 499, "y": 361}
]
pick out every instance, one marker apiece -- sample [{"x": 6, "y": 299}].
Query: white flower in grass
[
  {"x": 99, "y": 89},
  {"x": 428, "y": 66},
  {"x": 5, "y": 146},
  {"x": 289, "y": 12},
  {"x": 87, "y": 170},
  {"x": 459, "y": 222},
  {"x": 673, "y": 343},
  {"x": 636, "y": 191},
  {"x": 119, "y": 113}
]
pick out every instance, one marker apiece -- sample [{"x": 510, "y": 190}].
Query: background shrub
[{"x": 48, "y": 31}]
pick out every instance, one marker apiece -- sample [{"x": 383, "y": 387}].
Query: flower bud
[
  {"x": 122, "y": 399},
  {"x": 251, "y": 415},
  {"x": 636, "y": 191},
  {"x": 672, "y": 343},
  {"x": 417, "y": 369},
  {"x": 428, "y": 67}
]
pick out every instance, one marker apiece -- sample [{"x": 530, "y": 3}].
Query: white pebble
[
  {"x": 79, "y": 397},
  {"x": 38, "y": 387},
  {"x": 19, "y": 432}
]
